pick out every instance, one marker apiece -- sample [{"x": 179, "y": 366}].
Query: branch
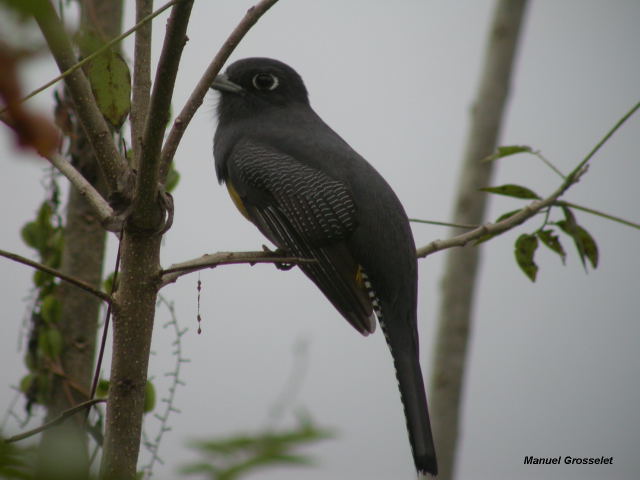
[
  {"x": 64, "y": 415},
  {"x": 598, "y": 213},
  {"x": 175, "y": 271},
  {"x": 195, "y": 100},
  {"x": 158, "y": 115},
  {"x": 608, "y": 135},
  {"x": 115, "y": 168},
  {"x": 57, "y": 274},
  {"x": 443, "y": 224},
  {"x": 534, "y": 207},
  {"x": 103, "y": 210},
  {"x": 141, "y": 77},
  {"x": 504, "y": 225},
  {"x": 98, "y": 52}
]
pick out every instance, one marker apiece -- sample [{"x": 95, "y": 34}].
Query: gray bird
[{"x": 314, "y": 197}]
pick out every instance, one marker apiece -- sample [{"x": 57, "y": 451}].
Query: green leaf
[
  {"x": 26, "y": 382},
  {"x": 551, "y": 240},
  {"x": 510, "y": 214},
  {"x": 55, "y": 247},
  {"x": 50, "y": 309},
  {"x": 510, "y": 190},
  {"x": 37, "y": 234},
  {"x": 590, "y": 246},
  {"x": 234, "y": 457},
  {"x": 107, "y": 283},
  {"x": 585, "y": 244},
  {"x": 25, "y": 8},
  {"x": 149, "y": 397},
  {"x": 40, "y": 278},
  {"x": 173, "y": 177},
  {"x": 507, "y": 151},
  {"x": 525, "y": 249},
  {"x": 50, "y": 343},
  {"x": 111, "y": 85},
  {"x": 103, "y": 388},
  {"x": 17, "y": 462},
  {"x": 31, "y": 235},
  {"x": 44, "y": 215}
]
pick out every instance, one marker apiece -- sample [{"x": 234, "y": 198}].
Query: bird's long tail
[{"x": 414, "y": 400}]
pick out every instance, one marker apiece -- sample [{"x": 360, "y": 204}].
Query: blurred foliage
[
  {"x": 526, "y": 244},
  {"x": 44, "y": 234},
  {"x": 109, "y": 76},
  {"x": 232, "y": 457},
  {"x": 16, "y": 462}
]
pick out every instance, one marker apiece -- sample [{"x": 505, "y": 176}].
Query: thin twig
[
  {"x": 101, "y": 50},
  {"x": 116, "y": 170},
  {"x": 141, "y": 87},
  {"x": 443, "y": 224},
  {"x": 105, "y": 327},
  {"x": 534, "y": 207},
  {"x": 175, "y": 271},
  {"x": 195, "y": 100},
  {"x": 548, "y": 163},
  {"x": 608, "y": 135},
  {"x": 598, "y": 213},
  {"x": 102, "y": 209},
  {"x": 502, "y": 226},
  {"x": 159, "y": 108},
  {"x": 100, "y": 206},
  {"x": 64, "y": 415},
  {"x": 57, "y": 274}
]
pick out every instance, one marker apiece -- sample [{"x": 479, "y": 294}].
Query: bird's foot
[{"x": 280, "y": 253}]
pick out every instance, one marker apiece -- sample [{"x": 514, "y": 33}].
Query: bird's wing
[{"x": 305, "y": 212}]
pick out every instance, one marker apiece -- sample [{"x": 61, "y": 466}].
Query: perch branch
[{"x": 213, "y": 260}]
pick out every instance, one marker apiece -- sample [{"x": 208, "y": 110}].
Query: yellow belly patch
[{"x": 235, "y": 196}]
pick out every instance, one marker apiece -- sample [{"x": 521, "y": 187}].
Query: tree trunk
[
  {"x": 63, "y": 450},
  {"x": 134, "y": 311},
  {"x": 454, "y": 318}
]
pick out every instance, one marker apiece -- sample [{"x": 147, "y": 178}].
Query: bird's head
[{"x": 251, "y": 85}]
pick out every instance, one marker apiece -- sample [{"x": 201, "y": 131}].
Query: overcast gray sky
[{"x": 553, "y": 366}]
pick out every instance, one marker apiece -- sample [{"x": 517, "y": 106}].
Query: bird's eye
[{"x": 265, "y": 81}]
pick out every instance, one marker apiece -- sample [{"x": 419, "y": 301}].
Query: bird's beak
[{"x": 223, "y": 84}]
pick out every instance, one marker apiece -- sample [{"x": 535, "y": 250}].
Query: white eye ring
[{"x": 265, "y": 81}]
